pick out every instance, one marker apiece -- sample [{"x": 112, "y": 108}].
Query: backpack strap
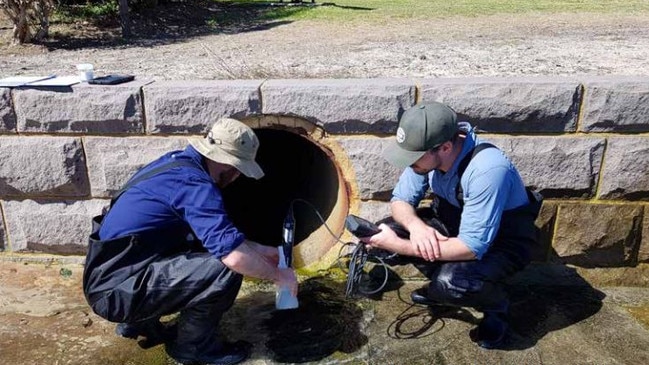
[
  {"x": 137, "y": 178},
  {"x": 459, "y": 192}
]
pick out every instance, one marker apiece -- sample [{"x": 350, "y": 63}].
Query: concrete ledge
[
  {"x": 616, "y": 104},
  {"x": 7, "y": 115},
  {"x": 191, "y": 107},
  {"x": 510, "y": 105},
  {"x": 82, "y": 108},
  {"x": 341, "y": 106}
]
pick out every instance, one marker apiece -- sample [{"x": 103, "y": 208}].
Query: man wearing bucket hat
[
  {"x": 480, "y": 226},
  {"x": 166, "y": 245}
]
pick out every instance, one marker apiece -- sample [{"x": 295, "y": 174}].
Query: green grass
[
  {"x": 93, "y": 11},
  {"x": 377, "y": 10}
]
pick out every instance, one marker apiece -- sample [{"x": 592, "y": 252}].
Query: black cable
[
  {"x": 358, "y": 259},
  {"x": 427, "y": 320},
  {"x": 357, "y": 262},
  {"x": 315, "y": 210}
]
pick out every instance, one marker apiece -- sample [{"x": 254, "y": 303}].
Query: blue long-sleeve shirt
[
  {"x": 491, "y": 185},
  {"x": 180, "y": 196}
]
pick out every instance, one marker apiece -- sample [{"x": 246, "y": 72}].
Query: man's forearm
[
  {"x": 249, "y": 262},
  {"x": 404, "y": 214},
  {"x": 452, "y": 249}
]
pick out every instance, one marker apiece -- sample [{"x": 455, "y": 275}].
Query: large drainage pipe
[{"x": 298, "y": 167}]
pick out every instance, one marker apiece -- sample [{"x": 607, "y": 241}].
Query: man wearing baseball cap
[
  {"x": 166, "y": 245},
  {"x": 480, "y": 226}
]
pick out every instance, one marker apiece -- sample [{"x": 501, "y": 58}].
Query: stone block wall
[{"x": 582, "y": 142}]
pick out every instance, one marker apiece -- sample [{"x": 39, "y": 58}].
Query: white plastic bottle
[{"x": 283, "y": 297}]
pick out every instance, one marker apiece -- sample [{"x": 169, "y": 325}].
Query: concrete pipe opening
[{"x": 295, "y": 167}]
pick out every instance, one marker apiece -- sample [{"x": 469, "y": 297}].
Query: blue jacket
[{"x": 182, "y": 196}]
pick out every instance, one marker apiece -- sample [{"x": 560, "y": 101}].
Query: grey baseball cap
[{"x": 421, "y": 128}]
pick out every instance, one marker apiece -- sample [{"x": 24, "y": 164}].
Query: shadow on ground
[
  {"x": 324, "y": 323},
  {"x": 174, "y": 21},
  {"x": 536, "y": 307},
  {"x": 538, "y": 310}
]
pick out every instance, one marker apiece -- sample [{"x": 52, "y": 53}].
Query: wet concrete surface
[{"x": 557, "y": 318}]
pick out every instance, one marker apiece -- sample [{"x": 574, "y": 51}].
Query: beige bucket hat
[{"x": 232, "y": 143}]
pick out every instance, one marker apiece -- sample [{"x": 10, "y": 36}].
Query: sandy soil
[{"x": 561, "y": 44}]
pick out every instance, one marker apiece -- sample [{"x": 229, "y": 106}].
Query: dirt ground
[
  {"x": 44, "y": 319},
  {"x": 181, "y": 46}
]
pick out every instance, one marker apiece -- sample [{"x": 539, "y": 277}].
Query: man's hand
[
  {"x": 426, "y": 240},
  {"x": 270, "y": 253},
  {"x": 255, "y": 260},
  {"x": 382, "y": 239}
]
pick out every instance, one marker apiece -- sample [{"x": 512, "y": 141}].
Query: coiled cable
[{"x": 358, "y": 280}]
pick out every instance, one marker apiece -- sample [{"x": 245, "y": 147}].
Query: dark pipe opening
[{"x": 294, "y": 167}]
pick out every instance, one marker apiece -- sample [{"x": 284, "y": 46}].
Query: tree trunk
[
  {"x": 43, "y": 17},
  {"x": 21, "y": 32},
  {"x": 124, "y": 20}
]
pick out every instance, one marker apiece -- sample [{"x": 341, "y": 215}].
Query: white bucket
[{"x": 85, "y": 71}]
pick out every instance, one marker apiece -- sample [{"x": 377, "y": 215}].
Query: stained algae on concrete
[{"x": 641, "y": 314}]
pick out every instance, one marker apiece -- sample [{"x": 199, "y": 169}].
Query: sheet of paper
[
  {"x": 14, "y": 81},
  {"x": 56, "y": 81}
]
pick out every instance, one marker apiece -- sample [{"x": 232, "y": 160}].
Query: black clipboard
[{"x": 111, "y": 79}]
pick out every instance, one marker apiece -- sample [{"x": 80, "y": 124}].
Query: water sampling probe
[{"x": 364, "y": 267}]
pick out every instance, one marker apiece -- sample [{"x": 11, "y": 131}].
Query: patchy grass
[
  {"x": 385, "y": 10},
  {"x": 69, "y": 13}
]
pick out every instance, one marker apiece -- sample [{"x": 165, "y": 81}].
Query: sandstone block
[
  {"x": 590, "y": 235},
  {"x": 513, "y": 104},
  {"x": 42, "y": 166},
  {"x": 113, "y": 160},
  {"x": 643, "y": 252},
  {"x": 46, "y": 227},
  {"x": 545, "y": 224},
  {"x": 616, "y": 104},
  {"x": 7, "y": 115},
  {"x": 81, "y": 108},
  {"x": 375, "y": 176},
  {"x": 374, "y": 211},
  {"x": 343, "y": 105},
  {"x": 557, "y": 167},
  {"x": 621, "y": 277},
  {"x": 625, "y": 171},
  {"x": 3, "y": 236},
  {"x": 191, "y": 107}
]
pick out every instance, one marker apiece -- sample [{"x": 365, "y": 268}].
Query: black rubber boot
[
  {"x": 154, "y": 332},
  {"x": 197, "y": 340},
  {"x": 420, "y": 296},
  {"x": 226, "y": 353},
  {"x": 491, "y": 333}
]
